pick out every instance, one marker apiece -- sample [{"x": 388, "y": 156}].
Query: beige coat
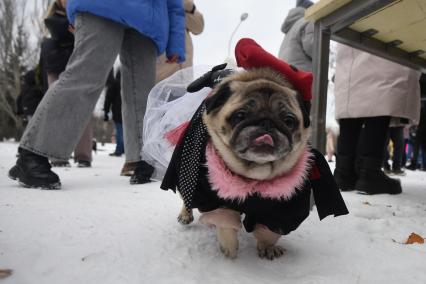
[
  {"x": 195, "y": 25},
  {"x": 368, "y": 86}
]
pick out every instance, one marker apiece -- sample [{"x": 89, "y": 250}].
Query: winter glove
[
  {"x": 172, "y": 59},
  {"x": 210, "y": 79}
]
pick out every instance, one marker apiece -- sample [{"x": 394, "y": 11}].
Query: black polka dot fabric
[{"x": 193, "y": 147}]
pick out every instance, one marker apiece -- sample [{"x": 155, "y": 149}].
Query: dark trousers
[
  {"x": 419, "y": 144},
  {"x": 119, "y": 148},
  {"x": 396, "y": 134},
  {"x": 363, "y": 137}
]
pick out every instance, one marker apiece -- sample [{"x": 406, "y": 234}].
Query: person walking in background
[
  {"x": 138, "y": 31},
  {"x": 330, "y": 146},
  {"x": 31, "y": 94},
  {"x": 396, "y": 135},
  {"x": 369, "y": 90},
  {"x": 419, "y": 141},
  {"x": 113, "y": 103},
  {"x": 56, "y": 51},
  {"x": 296, "y": 48}
]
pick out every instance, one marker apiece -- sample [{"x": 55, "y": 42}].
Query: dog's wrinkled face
[
  {"x": 256, "y": 122},
  {"x": 263, "y": 127}
]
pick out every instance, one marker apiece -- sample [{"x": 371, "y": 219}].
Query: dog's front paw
[
  {"x": 228, "y": 241},
  {"x": 270, "y": 252},
  {"x": 185, "y": 216},
  {"x": 227, "y": 251}
]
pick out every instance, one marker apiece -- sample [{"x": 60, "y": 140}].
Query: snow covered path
[{"x": 100, "y": 229}]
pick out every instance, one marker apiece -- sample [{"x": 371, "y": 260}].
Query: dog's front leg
[
  {"x": 227, "y": 223},
  {"x": 228, "y": 241},
  {"x": 266, "y": 240},
  {"x": 185, "y": 216}
]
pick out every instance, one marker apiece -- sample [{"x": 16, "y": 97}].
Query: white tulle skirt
[{"x": 168, "y": 107}]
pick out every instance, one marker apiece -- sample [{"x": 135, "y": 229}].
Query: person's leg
[
  {"x": 386, "y": 155},
  {"x": 374, "y": 137},
  {"x": 52, "y": 78},
  {"x": 119, "y": 138},
  {"x": 415, "y": 156},
  {"x": 83, "y": 150},
  {"x": 398, "y": 149},
  {"x": 423, "y": 147},
  {"x": 371, "y": 178},
  {"x": 409, "y": 149},
  {"x": 330, "y": 146},
  {"x": 138, "y": 58},
  {"x": 404, "y": 153},
  {"x": 345, "y": 174},
  {"x": 350, "y": 131},
  {"x": 67, "y": 107}
]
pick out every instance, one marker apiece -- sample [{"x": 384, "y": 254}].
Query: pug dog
[
  {"x": 257, "y": 125},
  {"x": 244, "y": 158}
]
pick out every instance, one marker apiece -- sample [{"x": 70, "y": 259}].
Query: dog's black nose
[{"x": 266, "y": 124}]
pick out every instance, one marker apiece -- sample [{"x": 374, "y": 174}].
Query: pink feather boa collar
[{"x": 232, "y": 186}]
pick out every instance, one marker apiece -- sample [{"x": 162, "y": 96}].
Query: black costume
[{"x": 187, "y": 173}]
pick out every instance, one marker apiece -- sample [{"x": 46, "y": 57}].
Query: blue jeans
[{"x": 119, "y": 148}]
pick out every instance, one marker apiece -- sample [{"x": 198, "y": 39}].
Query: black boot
[
  {"x": 412, "y": 166},
  {"x": 345, "y": 174},
  {"x": 372, "y": 180},
  {"x": 32, "y": 170},
  {"x": 142, "y": 174}
]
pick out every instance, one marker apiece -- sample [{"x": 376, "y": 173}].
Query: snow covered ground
[{"x": 100, "y": 229}]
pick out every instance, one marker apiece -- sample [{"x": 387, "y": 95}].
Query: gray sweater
[{"x": 296, "y": 48}]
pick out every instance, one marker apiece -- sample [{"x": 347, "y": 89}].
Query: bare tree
[
  {"x": 17, "y": 55},
  {"x": 12, "y": 41},
  {"x": 36, "y": 16}
]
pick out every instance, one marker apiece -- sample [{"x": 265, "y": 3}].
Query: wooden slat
[
  {"x": 323, "y": 8},
  {"x": 404, "y": 20}
]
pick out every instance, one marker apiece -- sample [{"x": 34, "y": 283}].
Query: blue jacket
[{"x": 161, "y": 20}]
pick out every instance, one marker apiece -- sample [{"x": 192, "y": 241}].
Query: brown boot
[{"x": 128, "y": 169}]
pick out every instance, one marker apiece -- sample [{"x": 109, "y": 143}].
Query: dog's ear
[
  {"x": 219, "y": 98},
  {"x": 305, "y": 107}
]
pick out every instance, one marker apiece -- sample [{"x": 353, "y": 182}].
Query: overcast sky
[{"x": 221, "y": 18}]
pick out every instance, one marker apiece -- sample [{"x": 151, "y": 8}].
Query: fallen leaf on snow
[
  {"x": 366, "y": 203},
  {"x": 5, "y": 273},
  {"x": 414, "y": 238}
]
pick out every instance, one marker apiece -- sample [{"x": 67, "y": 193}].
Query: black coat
[
  {"x": 113, "y": 97},
  {"x": 57, "y": 49},
  {"x": 31, "y": 94},
  {"x": 280, "y": 216}
]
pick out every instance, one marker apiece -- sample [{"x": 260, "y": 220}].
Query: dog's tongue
[{"x": 264, "y": 139}]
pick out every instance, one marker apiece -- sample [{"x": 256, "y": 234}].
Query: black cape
[{"x": 187, "y": 173}]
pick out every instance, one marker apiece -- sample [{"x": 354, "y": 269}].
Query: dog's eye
[
  {"x": 238, "y": 117},
  {"x": 290, "y": 121}
]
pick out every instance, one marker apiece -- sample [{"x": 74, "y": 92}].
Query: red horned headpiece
[{"x": 249, "y": 54}]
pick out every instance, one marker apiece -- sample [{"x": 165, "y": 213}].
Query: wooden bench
[{"x": 392, "y": 29}]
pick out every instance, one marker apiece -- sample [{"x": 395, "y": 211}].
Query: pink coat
[{"x": 367, "y": 86}]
